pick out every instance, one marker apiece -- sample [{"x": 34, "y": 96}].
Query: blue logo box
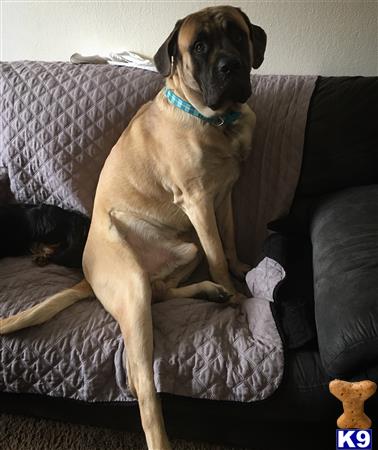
[{"x": 354, "y": 439}]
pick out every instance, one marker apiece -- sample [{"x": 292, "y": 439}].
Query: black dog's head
[{"x": 213, "y": 51}]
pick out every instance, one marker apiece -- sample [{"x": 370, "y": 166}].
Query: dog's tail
[{"x": 44, "y": 311}]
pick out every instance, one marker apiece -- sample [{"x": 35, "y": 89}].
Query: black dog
[{"x": 49, "y": 233}]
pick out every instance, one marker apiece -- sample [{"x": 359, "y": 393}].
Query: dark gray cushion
[{"x": 344, "y": 233}]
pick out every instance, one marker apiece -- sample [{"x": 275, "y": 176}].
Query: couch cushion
[
  {"x": 344, "y": 234},
  {"x": 201, "y": 349}
]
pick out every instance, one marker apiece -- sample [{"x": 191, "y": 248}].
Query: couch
[{"x": 325, "y": 239}]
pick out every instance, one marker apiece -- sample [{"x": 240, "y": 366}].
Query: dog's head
[{"x": 212, "y": 52}]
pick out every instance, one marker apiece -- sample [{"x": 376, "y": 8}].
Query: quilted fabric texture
[
  {"x": 201, "y": 349},
  {"x": 59, "y": 123}
]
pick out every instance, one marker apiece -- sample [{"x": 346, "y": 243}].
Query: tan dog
[{"x": 164, "y": 194}]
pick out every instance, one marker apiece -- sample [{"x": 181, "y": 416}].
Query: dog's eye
[{"x": 199, "y": 47}]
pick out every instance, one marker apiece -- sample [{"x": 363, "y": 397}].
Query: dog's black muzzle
[
  {"x": 229, "y": 82},
  {"x": 227, "y": 66}
]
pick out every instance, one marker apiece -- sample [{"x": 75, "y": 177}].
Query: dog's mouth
[
  {"x": 217, "y": 99},
  {"x": 221, "y": 92}
]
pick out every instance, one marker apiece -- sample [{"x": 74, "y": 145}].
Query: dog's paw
[
  {"x": 42, "y": 253},
  {"x": 213, "y": 292},
  {"x": 40, "y": 260},
  {"x": 239, "y": 269},
  {"x": 236, "y": 299}
]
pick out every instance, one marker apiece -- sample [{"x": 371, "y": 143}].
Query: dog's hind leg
[{"x": 123, "y": 287}]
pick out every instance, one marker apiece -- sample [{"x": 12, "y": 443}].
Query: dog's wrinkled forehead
[
  {"x": 223, "y": 26},
  {"x": 209, "y": 22}
]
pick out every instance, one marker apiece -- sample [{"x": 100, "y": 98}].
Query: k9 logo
[{"x": 347, "y": 439}]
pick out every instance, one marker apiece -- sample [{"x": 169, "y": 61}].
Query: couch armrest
[{"x": 344, "y": 233}]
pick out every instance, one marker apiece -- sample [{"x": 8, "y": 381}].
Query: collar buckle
[{"x": 219, "y": 121}]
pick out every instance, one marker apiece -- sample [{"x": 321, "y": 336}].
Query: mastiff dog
[{"x": 164, "y": 194}]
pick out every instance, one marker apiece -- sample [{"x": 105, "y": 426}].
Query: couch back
[
  {"x": 341, "y": 144},
  {"x": 341, "y": 141},
  {"x": 59, "y": 122}
]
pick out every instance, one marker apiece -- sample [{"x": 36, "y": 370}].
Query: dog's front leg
[
  {"x": 113, "y": 270},
  {"x": 225, "y": 220},
  {"x": 202, "y": 216}
]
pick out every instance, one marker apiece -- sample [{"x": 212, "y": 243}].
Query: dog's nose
[{"x": 228, "y": 64}]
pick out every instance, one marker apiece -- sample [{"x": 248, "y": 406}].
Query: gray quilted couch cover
[{"x": 58, "y": 124}]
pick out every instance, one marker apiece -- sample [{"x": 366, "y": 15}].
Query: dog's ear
[
  {"x": 168, "y": 49},
  {"x": 258, "y": 37},
  {"x": 259, "y": 45}
]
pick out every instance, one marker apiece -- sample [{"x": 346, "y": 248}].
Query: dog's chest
[
  {"x": 210, "y": 164},
  {"x": 216, "y": 156},
  {"x": 233, "y": 142}
]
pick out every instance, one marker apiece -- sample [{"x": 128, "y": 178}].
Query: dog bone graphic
[{"x": 353, "y": 397}]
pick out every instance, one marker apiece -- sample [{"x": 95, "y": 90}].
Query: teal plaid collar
[{"x": 187, "y": 107}]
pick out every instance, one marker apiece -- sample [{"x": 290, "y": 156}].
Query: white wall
[{"x": 304, "y": 37}]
